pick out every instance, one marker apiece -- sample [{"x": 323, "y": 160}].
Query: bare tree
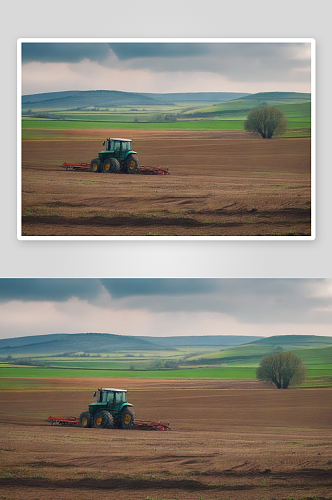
[
  {"x": 282, "y": 369},
  {"x": 266, "y": 122}
]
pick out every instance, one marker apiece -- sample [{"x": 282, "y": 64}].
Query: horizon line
[{"x": 163, "y": 93}]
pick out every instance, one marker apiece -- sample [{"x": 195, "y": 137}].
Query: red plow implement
[
  {"x": 151, "y": 426},
  {"x": 142, "y": 425},
  {"x": 64, "y": 421},
  {"x": 153, "y": 171},
  {"x": 76, "y": 166},
  {"x": 141, "y": 170}
]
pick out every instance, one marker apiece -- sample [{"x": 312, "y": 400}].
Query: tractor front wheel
[
  {"x": 86, "y": 419},
  {"x": 127, "y": 418},
  {"x": 95, "y": 165},
  {"x": 103, "y": 420},
  {"x": 111, "y": 165},
  {"x": 131, "y": 164}
]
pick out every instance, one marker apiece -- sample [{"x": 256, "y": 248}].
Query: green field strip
[
  {"x": 104, "y": 365},
  {"x": 321, "y": 366},
  {"x": 192, "y": 125},
  {"x": 213, "y": 372},
  {"x": 315, "y": 355},
  {"x": 245, "y": 351},
  {"x": 180, "y": 125},
  {"x": 319, "y": 372},
  {"x": 315, "y": 377},
  {"x": 245, "y": 105}
]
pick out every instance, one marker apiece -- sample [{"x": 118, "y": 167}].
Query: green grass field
[
  {"x": 238, "y": 362},
  {"x": 234, "y": 353},
  {"x": 220, "y": 116},
  {"x": 315, "y": 356},
  {"x": 99, "y": 365},
  {"x": 213, "y": 372},
  {"x": 244, "y": 106},
  {"x": 308, "y": 353},
  {"x": 41, "y": 123},
  {"x": 227, "y": 124}
]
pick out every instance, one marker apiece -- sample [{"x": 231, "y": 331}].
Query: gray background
[{"x": 183, "y": 19}]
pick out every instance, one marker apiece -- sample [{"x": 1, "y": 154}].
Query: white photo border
[{"x": 310, "y": 41}]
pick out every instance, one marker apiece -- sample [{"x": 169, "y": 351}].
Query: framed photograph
[
  {"x": 166, "y": 139},
  {"x": 168, "y": 388}
]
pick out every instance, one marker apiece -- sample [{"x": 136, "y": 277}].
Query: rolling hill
[
  {"x": 315, "y": 355},
  {"x": 278, "y": 96},
  {"x": 192, "y": 97},
  {"x": 297, "y": 340},
  {"x": 202, "y": 341},
  {"x": 111, "y": 98},
  {"x": 79, "y": 342},
  {"x": 291, "y": 103},
  {"x": 90, "y": 98},
  {"x": 104, "y": 342},
  {"x": 226, "y": 348},
  {"x": 263, "y": 347}
]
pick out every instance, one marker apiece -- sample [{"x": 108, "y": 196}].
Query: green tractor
[
  {"x": 110, "y": 410},
  {"x": 118, "y": 157}
]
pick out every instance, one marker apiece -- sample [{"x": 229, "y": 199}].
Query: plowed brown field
[
  {"x": 221, "y": 184},
  {"x": 225, "y": 443}
]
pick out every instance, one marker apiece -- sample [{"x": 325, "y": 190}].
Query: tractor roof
[
  {"x": 118, "y": 139},
  {"x": 112, "y": 389}
]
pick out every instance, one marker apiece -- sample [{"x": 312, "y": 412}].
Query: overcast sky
[
  {"x": 166, "y": 67},
  {"x": 166, "y": 307}
]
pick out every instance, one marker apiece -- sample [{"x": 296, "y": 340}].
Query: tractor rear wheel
[
  {"x": 103, "y": 420},
  {"x": 95, "y": 165},
  {"x": 131, "y": 164},
  {"x": 111, "y": 165},
  {"x": 86, "y": 419},
  {"x": 127, "y": 418}
]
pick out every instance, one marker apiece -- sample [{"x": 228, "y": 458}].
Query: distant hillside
[
  {"x": 278, "y": 96},
  {"x": 79, "y": 342},
  {"x": 202, "y": 341},
  {"x": 89, "y": 98},
  {"x": 315, "y": 355},
  {"x": 103, "y": 342},
  {"x": 232, "y": 347},
  {"x": 111, "y": 98},
  {"x": 239, "y": 108},
  {"x": 197, "y": 96},
  {"x": 262, "y": 347},
  {"x": 300, "y": 340},
  {"x": 236, "y": 353}
]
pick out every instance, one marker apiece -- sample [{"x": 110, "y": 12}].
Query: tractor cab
[
  {"x": 113, "y": 400},
  {"x": 117, "y": 157},
  {"x": 117, "y": 146},
  {"x": 110, "y": 397},
  {"x": 111, "y": 409}
]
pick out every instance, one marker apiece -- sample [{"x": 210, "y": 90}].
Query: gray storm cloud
[
  {"x": 130, "y": 51},
  {"x": 64, "y": 52},
  {"x": 269, "y": 301},
  {"x": 44, "y": 289},
  {"x": 238, "y": 61},
  {"x": 241, "y": 62},
  {"x": 247, "y": 300}
]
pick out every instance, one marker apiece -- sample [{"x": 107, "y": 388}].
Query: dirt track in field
[
  {"x": 225, "y": 443},
  {"x": 221, "y": 184}
]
